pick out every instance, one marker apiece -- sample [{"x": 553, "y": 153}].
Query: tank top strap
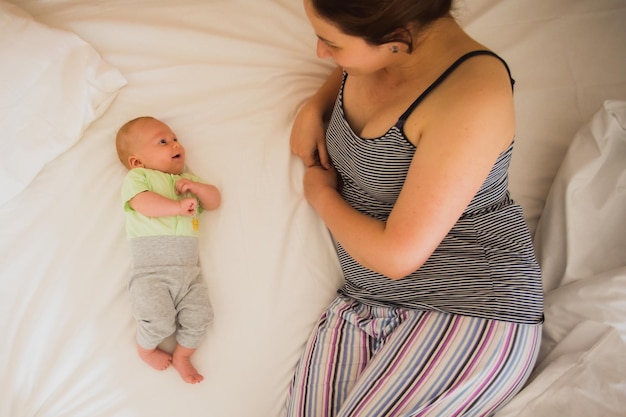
[{"x": 445, "y": 75}]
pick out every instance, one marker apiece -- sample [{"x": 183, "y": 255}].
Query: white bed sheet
[{"x": 228, "y": 76}]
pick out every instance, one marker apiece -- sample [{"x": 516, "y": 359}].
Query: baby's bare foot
[
  {"x": 181, "y": 360},
  {"x": 186, "y": 370},
  {"x": 156, "y": 358}
]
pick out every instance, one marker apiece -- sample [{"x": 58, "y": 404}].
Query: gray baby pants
[{"x": 167, "y": 291}]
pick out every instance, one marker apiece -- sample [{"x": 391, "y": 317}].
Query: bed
[{"x": 228, "y": 77}]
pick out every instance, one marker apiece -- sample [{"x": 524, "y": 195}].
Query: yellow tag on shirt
[{"x": 195, "y": 223}]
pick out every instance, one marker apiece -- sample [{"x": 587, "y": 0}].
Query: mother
[{"x": 441, "y": 310}]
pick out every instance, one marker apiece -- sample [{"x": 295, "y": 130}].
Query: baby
[{"x": 162, "y": 202}]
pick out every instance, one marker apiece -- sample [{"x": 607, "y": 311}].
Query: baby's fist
[{"x": 188, "y": 206}]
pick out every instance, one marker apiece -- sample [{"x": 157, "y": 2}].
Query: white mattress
[{"x": 228, "y": 76}]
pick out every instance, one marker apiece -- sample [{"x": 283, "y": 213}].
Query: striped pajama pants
[{"x": 384, "y": 362}]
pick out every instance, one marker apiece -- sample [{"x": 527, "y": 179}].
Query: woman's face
[{"x": 351, "y": 53}]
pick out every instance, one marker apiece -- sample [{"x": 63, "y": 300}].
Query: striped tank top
[{"x": 484, "y": 267}]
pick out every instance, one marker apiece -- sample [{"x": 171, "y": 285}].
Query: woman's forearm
[{"x": 365, "y": 238}]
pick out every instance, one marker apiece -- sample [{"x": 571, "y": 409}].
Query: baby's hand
[
  {"x": 184, "y": 185},
  {"x": 188, "y": 206}
]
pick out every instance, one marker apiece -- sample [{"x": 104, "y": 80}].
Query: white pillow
[
  {"x": 581, "y": 236},
  {"x": 582, "y": 231},
  {"x": 53, "y": 84}
]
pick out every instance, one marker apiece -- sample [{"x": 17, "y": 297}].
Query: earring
[{"x": 394, "y": 49}]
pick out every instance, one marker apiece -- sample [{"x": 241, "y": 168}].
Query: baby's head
[{"x": 146, "y": 142}]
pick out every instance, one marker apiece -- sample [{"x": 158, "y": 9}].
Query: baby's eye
[
  {"x": 175, "y": 139},
  {"x": 163, "y": 142}
]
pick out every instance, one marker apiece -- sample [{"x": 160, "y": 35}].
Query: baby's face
[{"x": 156, "y": 147}]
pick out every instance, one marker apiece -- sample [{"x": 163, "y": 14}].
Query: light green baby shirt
[{"x": 139, "y": 180}]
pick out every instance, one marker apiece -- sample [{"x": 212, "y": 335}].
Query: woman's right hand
[
  {"x": 307, "y": 139},
  {"x": 318, "y": 180}
]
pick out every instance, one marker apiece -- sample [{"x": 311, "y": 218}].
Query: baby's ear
[{"x": 134, "y": 162}]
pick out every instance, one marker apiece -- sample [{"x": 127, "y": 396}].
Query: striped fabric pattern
[
  {"x": 385, "y": 362},
  {"x": 484, "y": 267}
]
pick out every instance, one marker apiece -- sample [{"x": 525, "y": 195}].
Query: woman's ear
[
  {"x": 134, "y": 162},
  {"x": 401, "y": 36}
]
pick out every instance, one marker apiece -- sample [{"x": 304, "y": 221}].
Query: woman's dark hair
[{"x": 382, "y": 21}]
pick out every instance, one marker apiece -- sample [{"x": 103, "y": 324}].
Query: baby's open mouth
[{"x": 176, "y": 156}]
